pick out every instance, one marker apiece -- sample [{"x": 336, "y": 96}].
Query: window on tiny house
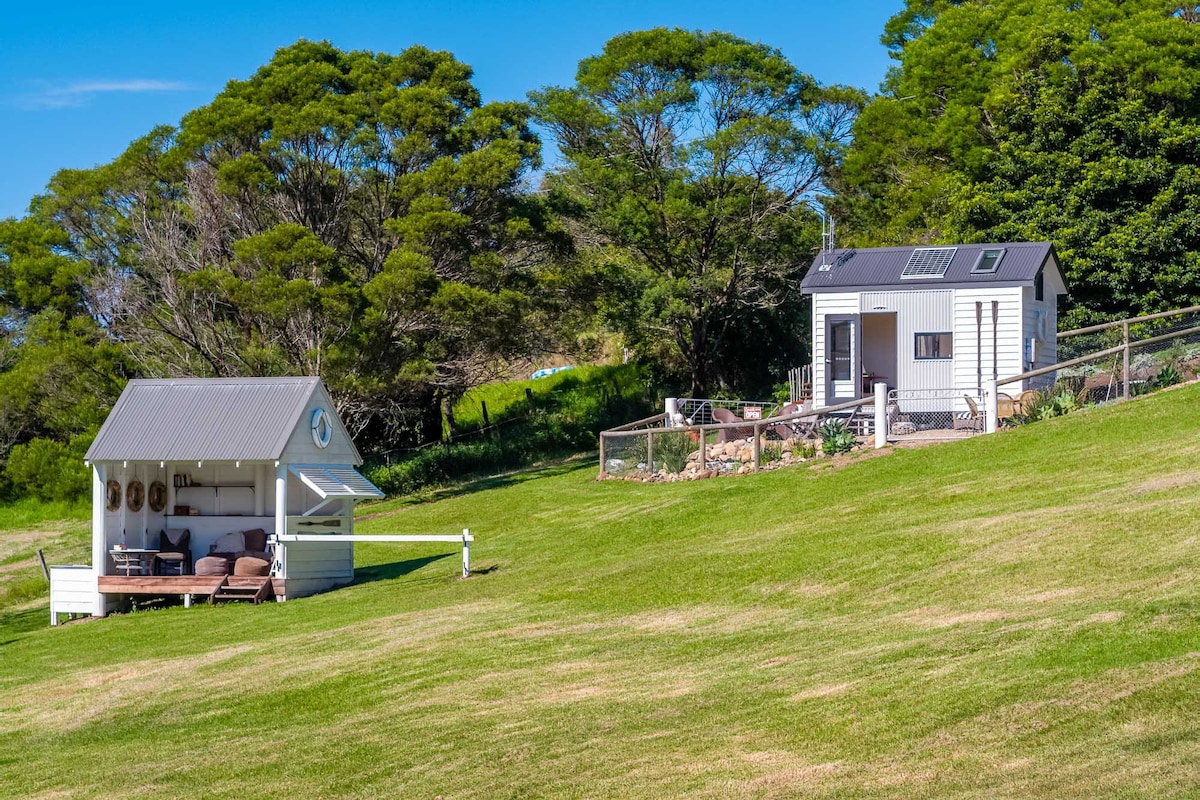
[
  {"x": 934, "y": 345},
  {"x": 1039, "y": 286},
  {"x": 988, "y": 260}
]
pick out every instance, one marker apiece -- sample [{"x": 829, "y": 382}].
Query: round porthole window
[{"x": 322, "y": 428}]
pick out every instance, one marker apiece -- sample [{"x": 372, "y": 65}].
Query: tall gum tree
[
  {"x": 688, "y": 156},
  {"x": 355, "y": 215}
]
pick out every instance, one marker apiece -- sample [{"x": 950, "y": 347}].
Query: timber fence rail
[
  {"x": 640, "y": 447},
  {"x": 1140, "y": 354}
]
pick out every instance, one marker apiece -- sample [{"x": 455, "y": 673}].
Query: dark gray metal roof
[
  {"x": 879, "y": 267},
  {"x": 203, "y": 419}
]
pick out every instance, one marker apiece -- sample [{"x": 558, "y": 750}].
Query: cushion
[
  {"x": 230, "y": 543},
  {"x": 249, "y": 565},
  {"x": 174, "y": 541},
  {"x": 255, "y": 540},
  {"x": 211, "y": 565}
]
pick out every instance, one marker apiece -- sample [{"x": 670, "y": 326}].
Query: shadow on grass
[
  {"x": 24, "y": 621},
  {"x": 396, "y": 569},
  {"x": 481, "y": 484}
]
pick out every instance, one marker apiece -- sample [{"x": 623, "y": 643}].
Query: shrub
[
  {"x": 565, "y": 419},
  {"x": 50, "y": 470},
  {"x": 770, "y": 452},
  {"x": 1167, "y": 376},
  {"x": 673, "y": 449},
  {"x": 836, "y": 437}
]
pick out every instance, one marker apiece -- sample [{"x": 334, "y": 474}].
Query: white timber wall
[
  {"x": 917, "y": 311},
  {"x": 73, "y": 590},
  {"x": 1041, "y": 324},
  {"x": 301, "y": 449},
  {"x": 825, "y": 304},
  {"x": 1009, "y": 340},
  {"x": 333, "y": 561}
]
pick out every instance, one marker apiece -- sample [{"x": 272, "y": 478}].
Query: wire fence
[
  {"x": 1104, "y": 363},
  {"x": 700, "y": 411},
  {"x": 654, "y": 449},
  {"x": 915, "y": 414}
]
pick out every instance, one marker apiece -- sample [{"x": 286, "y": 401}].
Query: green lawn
[{"x": 1011, "y": 616}]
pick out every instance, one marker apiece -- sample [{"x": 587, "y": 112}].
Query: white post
[
  {"x": 171, "y": 499},
  {"x": 281, "y": 505},
  {"x": 881, "y": 425},
  {"x": 281, "y": 499},
  {"x": 99, "y": 535},
  {"x": 671, "y": 407},
  {"x": 991, "y": 407},
  {"x": 466, "y": 552}
]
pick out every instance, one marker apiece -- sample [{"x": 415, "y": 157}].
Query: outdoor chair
[
  {"x": 174, "y": 553},
  {"x": 1027, "y": 401},
  {"x": 724, "y": 416},
  {"x": 974, "y": 420},
  {"x": 803, "y": 428},
  {"x": 1006, "y": 406}
]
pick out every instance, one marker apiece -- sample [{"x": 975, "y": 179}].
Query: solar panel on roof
[{"x": 928, "y": 262}]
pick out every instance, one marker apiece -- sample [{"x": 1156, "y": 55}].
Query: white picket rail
[{"x": 465, "y": 538}]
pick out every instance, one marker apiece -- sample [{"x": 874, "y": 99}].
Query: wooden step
[{"x": 254, "y": 590}]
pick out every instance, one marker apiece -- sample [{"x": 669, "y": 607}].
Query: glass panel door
[{"x": 841, "y": 361}]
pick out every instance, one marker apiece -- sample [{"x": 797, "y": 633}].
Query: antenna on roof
[
  {"x": 827, "y": 228},
  {"x": 827, "y": 243}
]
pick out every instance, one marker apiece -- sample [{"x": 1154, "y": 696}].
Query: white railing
[{"x": 465, "y": 538}]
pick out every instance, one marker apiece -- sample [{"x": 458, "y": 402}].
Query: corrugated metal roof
[
  {"x": 203, "y": 419},
  {"x": 877, "y": 267}
]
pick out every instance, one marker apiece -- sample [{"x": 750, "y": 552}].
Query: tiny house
[
  {"x": 194, "y": 481},
  {"x": 943, "y": 318}
]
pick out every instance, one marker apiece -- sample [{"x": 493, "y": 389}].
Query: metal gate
[{"x": 933, "y": 414}]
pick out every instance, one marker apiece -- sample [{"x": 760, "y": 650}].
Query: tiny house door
[{"x": 842, "y": 360}]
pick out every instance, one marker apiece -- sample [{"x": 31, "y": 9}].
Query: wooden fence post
[
  {"x": 650, "y": 451},
  {"x": 42, "y": 561},
  {"x": 1125, "y": 330},
  {"x": 602, "y": 467}
]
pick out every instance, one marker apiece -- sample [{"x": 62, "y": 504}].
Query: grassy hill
[{"x": 1015, "y": 615}]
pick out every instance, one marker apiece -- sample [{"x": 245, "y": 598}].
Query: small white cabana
[{"x": 264, "y": 457}]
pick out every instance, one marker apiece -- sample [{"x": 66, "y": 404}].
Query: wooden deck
[{"x": 203, "y": 585}]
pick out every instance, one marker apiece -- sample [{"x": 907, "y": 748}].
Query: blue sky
[{"x": 79, "y": 81}]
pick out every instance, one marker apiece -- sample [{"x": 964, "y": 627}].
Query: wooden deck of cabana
[{"x": 216, "y": 587}]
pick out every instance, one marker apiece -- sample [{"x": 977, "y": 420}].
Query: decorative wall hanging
[
  {"x": 112, "y": 495},
  {"x": 157, "y": 496},
  {"x": 135, "y": 495}
]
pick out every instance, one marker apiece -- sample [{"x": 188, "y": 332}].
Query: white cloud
[{"x": 81, "y": 93}]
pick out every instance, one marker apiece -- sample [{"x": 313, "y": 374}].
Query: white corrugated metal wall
[{"x": 924, "y": 311}]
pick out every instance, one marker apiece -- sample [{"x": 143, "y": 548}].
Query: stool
[
  {"x": 249, "y": 566},
  {"x": 212, "y": 565}
]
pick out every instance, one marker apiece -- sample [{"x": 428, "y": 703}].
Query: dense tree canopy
[
  {"x": 1075, "y": 122},
  {"x": 688, "y": 158},
  {"x": 352, "y": 215}
]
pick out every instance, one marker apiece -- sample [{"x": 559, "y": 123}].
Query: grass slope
[{"x": 1015, "y": 615}]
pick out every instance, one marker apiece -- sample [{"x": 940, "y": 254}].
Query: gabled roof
[
  {"x": 884, "y": 267},
  {"x": 203, "y": 419}
]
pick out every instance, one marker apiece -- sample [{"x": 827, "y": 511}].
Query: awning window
[{"x": 329, "y": 480}]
